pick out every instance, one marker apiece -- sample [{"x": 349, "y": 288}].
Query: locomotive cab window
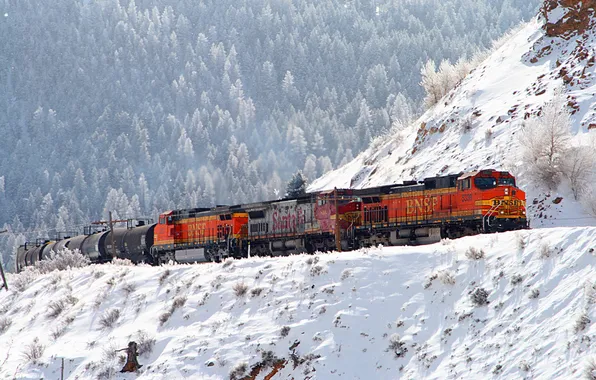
[
  {"x": 464, "y": 184},
  {"x": 506, "y": 182},
  {"x": 162, "y": 220},
  {"x": 484, "y": 183}
]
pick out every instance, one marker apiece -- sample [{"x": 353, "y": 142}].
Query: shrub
[
  {"x": 55, "y": 308},
  {"x": 479, "y": 297},
  {"x": 285, "y": 331},
  {"x": 58, "y": 331},
  {"x": 545, "y": 251},
  {"x": 21, "y": 281},
  {"x": 128, "y": 289},
  {"x": 34, "y": 351},
  {"x": 345, "y": 274},
  {"x": 581, "y": 322},
  {"x": 5, "y": 323},
  {"x": 109, "y": 318},
  {"x": 534, "y": 293},
  {"x": 121, "y": 262},
  {"x": 521, "y": 241},
  {"x": 164, "y": 275},
  {"x": 240, "y": 289},
  {"x": 446, "y": 277},
  {"x": 525, "y": 366},
  {"x": 164, "y": 318},
  {"x": 516, "y": 279},
  {"x": 474, "y": 253},
  {"x": 177, "y": 303},
  {"x": 145, "y": 343},
  {"x": 62, "y": 260},
  {"x": 397, "y": 346},
  {"x": 316, "y": 270},
  {"x": 239, "y": 371},
  {"x": 255, "y": 292},
  {"x": 590, "y": 370}
]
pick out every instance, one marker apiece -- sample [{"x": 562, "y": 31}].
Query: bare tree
[
  {"x": 578, "y": 167},
  {"x": 545, "y": 142}
]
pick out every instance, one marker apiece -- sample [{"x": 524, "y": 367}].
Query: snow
[
  {"x": 342, "y": 311},
  {"x": 494, "y": 100}
]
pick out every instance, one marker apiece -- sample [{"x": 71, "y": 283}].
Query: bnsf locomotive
[{"x": 422, "y": 212}]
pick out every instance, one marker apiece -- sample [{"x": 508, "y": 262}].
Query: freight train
[{"x": 422, "y": 212}]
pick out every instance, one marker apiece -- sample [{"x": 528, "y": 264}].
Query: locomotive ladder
[{"x": 488, "y": 214}]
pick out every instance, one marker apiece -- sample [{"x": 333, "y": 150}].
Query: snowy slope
[
  {"x": 342, "y": 315},
  {"x": 492, "y": 102}
]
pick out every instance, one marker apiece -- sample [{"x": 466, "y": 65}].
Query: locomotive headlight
[
  {"x": 506, "y": 191},
  {"x": 502, "y": 212}
]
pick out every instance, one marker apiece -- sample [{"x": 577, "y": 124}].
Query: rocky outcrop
[{"x": 565, "y": 18}]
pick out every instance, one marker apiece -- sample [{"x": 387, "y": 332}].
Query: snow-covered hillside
[
  {"x": 382, "y": 313},
  {"x": 477, "y": 125}
]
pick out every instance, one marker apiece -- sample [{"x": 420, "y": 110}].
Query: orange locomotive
[{"x": 442, "y": 207}]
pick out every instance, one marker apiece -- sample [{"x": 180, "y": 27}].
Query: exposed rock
[{"x": 565, "y": 18}]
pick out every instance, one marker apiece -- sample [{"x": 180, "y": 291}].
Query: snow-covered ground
[
  {"x": 477, "y": 125},
  {"x": 379, "y": 313}
]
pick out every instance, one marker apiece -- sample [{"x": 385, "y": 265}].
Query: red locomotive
[{"x": 448, "y": 206}]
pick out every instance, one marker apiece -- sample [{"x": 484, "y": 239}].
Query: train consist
[{"x": 421, "y": 212}]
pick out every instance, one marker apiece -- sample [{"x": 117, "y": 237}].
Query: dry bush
[
  {"x": 177, "y": 303},
  {"x": 285, "y": 331},
  {"x": 345, "y": 274},
  {"x": 534, "y": 293},
  {"x": 58, "y": 331},
  {"x": 121, "y": 262},
  {"x": 63, "y": 260},
  {"x": 128, "y": 289},
  {"x": 590, "y": 292},
  {"x": 240, "y": 289},
  {"x": 57, "y": 307},
  {"x": 397, "y": 346},
  {"x": 474, "y": 253},
  {"x": 590, "y": 369},
  {"x": 545, "y": 251},
  {"x": 145, "y": 343},
  {"x": 521, "y": 241},
  {"x": 581, "y": 322},
  {"x": 34, "y": 351},
  {"x": 255, "y": 292},
  {"x": 516, "y": 279},
  {"x": 164, "y": 317},
  {"x": 524, "y": 366},
  {"x": 239, "y": 371},
  {"x": 21, "y": 281},
  {"x": 446, "y": 277},
  {"x": 109, "y": 318},
  {"x": 5, "y": 323},
  {"x": 164, "y": 275},
  {"x": 316, "y": 270},
  {"x": 479, "y": 297}
]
